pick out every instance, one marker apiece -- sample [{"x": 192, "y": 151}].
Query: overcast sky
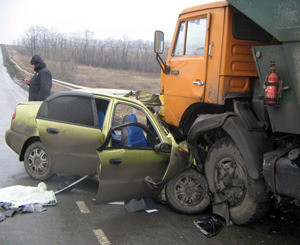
[{"x": 134, "y": 19}]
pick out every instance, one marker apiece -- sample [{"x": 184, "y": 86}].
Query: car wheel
[
  {"x": 227, "y": 174},
  {"x": 188, "y": 192},
  {"x": 37, "y": 162}
]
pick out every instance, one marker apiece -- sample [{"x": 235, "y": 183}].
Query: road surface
[{"x": 76, "y": 220}]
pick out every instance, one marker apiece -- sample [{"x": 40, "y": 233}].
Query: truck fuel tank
[{"x": 282, "y": 173}]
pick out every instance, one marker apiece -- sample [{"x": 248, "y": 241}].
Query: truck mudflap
[{"x": 252, "y": 143}]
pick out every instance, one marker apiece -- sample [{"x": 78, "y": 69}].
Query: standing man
[{"x": 41, "y": 82}]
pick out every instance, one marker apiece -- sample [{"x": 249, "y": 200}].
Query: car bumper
[{"x": 15, "y": 140}]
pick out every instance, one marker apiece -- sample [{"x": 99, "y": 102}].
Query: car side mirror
[
  {"x": 163, "y": 147},
  {"x": 159, "y": 42}
]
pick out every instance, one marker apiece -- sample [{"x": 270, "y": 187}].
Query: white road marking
[
  {"x": 82, "y": 207},
  {"x": 101, "y": 237},
  {"x": 116, "y": 203}
]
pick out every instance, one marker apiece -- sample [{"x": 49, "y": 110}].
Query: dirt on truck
[{"x": 230, "y": 86}]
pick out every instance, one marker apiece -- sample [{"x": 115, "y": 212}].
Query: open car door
[{"x": 134, "y": 161}]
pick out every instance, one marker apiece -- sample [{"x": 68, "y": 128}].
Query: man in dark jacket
[{"x": 41, "y": 82}]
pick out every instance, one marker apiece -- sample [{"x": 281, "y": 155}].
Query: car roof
[
  {"x": 121, "y": 94},
  {"x": 107, "y": 91}
]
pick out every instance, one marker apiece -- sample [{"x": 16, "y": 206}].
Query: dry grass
[{"x": 97, "y": 77}]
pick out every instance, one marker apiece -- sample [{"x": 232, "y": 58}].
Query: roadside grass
[{"x": 94, "y": 77}]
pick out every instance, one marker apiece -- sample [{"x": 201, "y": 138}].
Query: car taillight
[{"x": 14, "y": 115}]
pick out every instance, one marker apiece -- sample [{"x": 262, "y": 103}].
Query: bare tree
[{"x": 83, "y": 49}]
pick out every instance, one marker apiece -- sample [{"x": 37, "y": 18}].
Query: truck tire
[
  {"x": 226, "y": 174},
  {"x": 37, "y": 162},
  {"x": 187, "y": 192}
]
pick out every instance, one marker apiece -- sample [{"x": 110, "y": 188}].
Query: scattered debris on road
[
  {"x": 25, "y": 199},
  {"x": 135, "y": 205},
  {"x": 72, "y": 185},
  {"x": 211, "y": 225},
  {"x": 8, "y": 209}
]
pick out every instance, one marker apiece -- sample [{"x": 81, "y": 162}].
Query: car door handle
[
  {"x": 200, "y": 83},
  {"x": 52, "y": 131},
  {"x": 115, "y": 161}
]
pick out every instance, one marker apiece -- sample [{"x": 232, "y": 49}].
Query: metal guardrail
[{"x": 55, "y": 81}]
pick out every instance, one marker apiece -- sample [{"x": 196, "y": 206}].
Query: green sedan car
[{"x": 107, "y": 134}]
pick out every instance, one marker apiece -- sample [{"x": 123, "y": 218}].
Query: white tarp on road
[{"x": 19, "y": 195}]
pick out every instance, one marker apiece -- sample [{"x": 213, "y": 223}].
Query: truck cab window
[
  {"x": 195, "y": 39},
  {"x": 178, "y": 49},
  {"x": 246, "y": 29},
  {"x": 194, "y": 42}
]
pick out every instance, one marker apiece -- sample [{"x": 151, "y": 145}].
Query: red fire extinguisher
[{"x": 271, "y": 95}]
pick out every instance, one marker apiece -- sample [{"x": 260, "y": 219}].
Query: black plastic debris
[
  {"x": 210, "y": 226},
  {"x": 8, "y": 210}
]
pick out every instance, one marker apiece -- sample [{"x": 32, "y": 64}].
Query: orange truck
[{"x": 230, "y": 87}]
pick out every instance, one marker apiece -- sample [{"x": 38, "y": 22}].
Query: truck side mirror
[{"x": 159, "y": 42}]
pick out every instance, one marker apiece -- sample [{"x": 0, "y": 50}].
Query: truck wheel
[
  {"x": 226, "y": 173},
  {"x": 188, "y": 192},
  {"x": 37, "y": 162}
]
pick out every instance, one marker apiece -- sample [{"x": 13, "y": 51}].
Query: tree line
[{"x": 125, "y": 54}]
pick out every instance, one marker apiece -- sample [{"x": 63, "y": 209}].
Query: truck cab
[
  {"x": 209, "y": 61},
  {"x": 230, "y": 86}
]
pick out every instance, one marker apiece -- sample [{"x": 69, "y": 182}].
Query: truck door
[{"x": 185, "y": 83}]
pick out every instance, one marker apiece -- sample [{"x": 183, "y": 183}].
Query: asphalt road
[{"x": 76, "y": 220}]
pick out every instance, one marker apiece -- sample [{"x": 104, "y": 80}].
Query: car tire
[
  {"x": 226, "y": 173},
  {"x": 37, "y": 162},
  {"x": 187, "y": 192}
]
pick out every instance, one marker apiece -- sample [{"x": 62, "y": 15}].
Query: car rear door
[
  {"x": 126, "y": 161},
  {"x": 68, "y": 127}
]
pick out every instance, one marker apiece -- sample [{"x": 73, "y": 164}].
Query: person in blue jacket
[{"x": 41, "y": 82}]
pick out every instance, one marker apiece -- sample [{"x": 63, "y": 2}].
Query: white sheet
[{"x": 20, "y": 195}]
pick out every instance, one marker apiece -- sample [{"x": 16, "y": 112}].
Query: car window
[
  {"x": 70, "y": 109},
  {"x": 101, "y": 105},
  {"x": 132, "y": 136}
]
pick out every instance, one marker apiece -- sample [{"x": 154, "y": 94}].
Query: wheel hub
[
  {"x": 190, "y": 191},
  {"x": 230, "y": 180},
  {"x": 38, "y": 161}
]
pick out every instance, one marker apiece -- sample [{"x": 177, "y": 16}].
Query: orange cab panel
[
  {"x": 189, "y": 56},
  {"x": 210, "y": 59}
]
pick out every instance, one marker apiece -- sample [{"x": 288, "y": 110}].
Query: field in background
[{"x": 92, "y": 76}]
